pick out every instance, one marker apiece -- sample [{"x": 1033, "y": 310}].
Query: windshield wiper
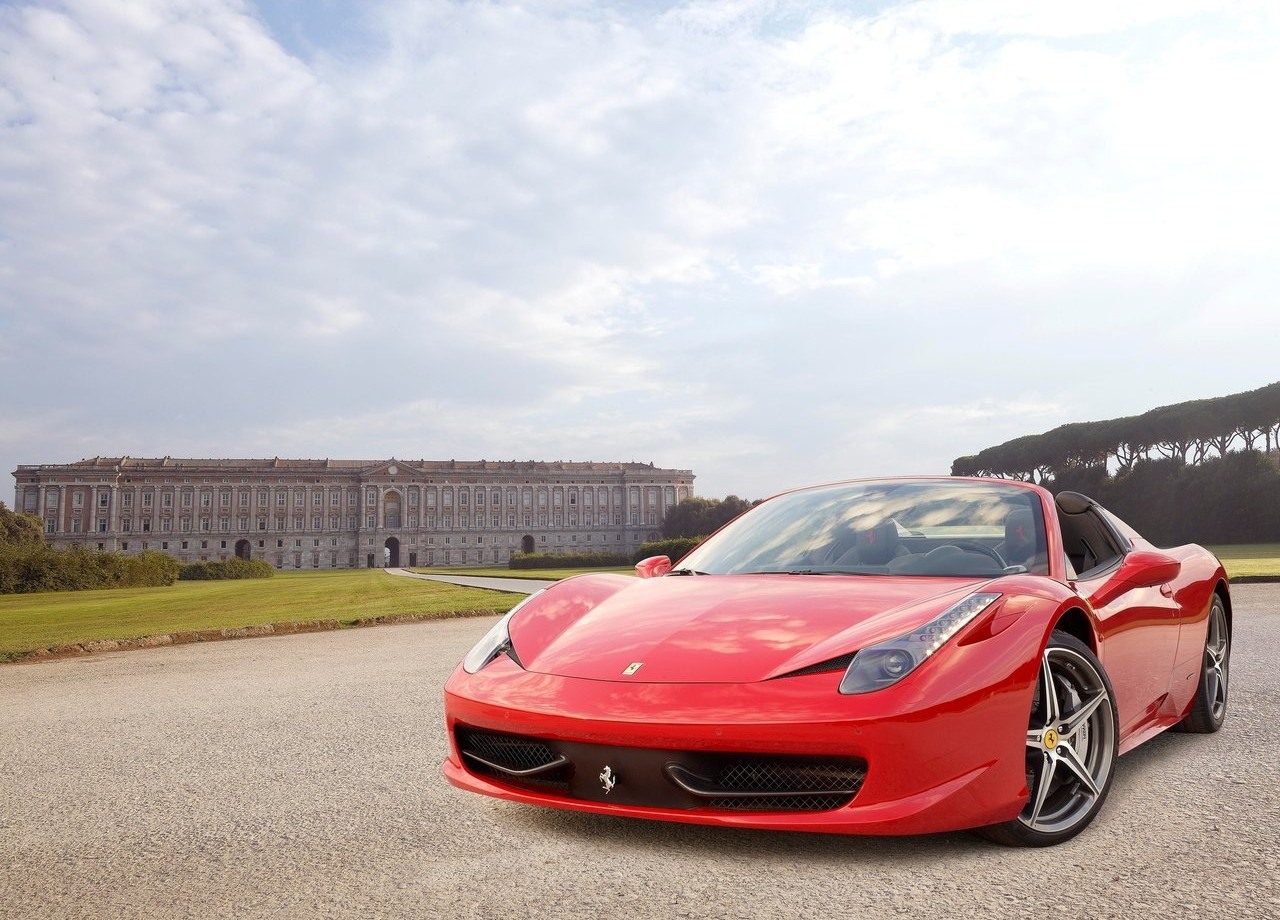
[
  {"x": 794, "y": 572},
  {"x": 811, "y": 572},
  {"x": 685, "y": 572}
]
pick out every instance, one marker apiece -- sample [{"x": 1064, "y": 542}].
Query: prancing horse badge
[
  {"x": 632, "y": 668},
  {"x": 608, "y": 779}
]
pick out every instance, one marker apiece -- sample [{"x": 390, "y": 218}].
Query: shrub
[
  {"x": 31, "y": 568},
  {"x": 673, "y": 548},
  {"x": 234, "y": 567}
]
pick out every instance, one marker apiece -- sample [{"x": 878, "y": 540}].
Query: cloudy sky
[{"x": 773, "y": 242}]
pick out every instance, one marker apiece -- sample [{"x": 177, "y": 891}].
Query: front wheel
[{"x": 1072, "y": 741}]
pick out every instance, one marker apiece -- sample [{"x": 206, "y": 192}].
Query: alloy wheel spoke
[
  {"x": 1067, "y": 755},
  {"x": 1043, "y": 784},
  {"x": 1048, "y": 691},
  {"x": 1082, "y": 714}
]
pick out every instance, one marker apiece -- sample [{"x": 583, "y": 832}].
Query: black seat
[
  {"x": 877, "y": 545},
  {"x": 1023, "y": 541}
]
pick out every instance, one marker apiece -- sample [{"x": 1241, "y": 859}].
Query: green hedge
[
  {"x": 234, "y": 567},
  {"x": 674, "y": 548},
  {"x": 28, "y": 569}
]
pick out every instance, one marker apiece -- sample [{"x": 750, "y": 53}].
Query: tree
[
  {"x": 18, "y": 529},
  {"x": 697, "y": 517}
]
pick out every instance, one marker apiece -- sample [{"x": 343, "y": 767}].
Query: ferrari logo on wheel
[
  {"x": 608, "y": 779},
  {"x": 1050, "y": 739}
]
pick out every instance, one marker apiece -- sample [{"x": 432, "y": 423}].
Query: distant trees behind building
[
  {"x": 1202, "y": 471},
  {"x": 698, "y": 517}
]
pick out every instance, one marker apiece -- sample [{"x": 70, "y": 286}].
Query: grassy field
[
  {"x": 1250, "y": 559},
  {"x": 35, "y": 621},
  {"x": 504, "y": 572}
]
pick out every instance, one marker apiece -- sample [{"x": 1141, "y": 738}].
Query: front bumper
[{"x": 939, "y": 752}]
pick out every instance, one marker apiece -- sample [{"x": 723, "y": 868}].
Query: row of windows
[
  {"x": 392, "y": 522},
  {"x": 298, "y": 543},
  {"x": 480, "y": 496}
]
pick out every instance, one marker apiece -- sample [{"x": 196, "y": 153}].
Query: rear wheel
[
  {"x": 1209, "y": 709},
  {"x": 1071, "y": 748}
]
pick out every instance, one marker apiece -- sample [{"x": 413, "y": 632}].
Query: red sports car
[{"x": 893, "y": 656}]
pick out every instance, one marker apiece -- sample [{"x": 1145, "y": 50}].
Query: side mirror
[
  {"x": 1142, "y": 568},
  {"x": 1146, "y": 568},
  {"x": 653, "y": 567}
]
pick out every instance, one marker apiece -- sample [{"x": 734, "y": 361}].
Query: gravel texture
[{"x": 298, "y": 776}]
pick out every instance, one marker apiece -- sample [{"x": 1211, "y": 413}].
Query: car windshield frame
[{"x": 918, "y": 527}]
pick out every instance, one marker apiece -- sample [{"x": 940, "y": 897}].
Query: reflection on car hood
[{"x": 721, "y": 628}]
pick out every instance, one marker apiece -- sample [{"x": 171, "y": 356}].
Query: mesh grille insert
[
  {"x": 787, "y": 786},
  {"x": 505, "y": 756}
]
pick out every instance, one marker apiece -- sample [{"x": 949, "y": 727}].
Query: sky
[{"x": 776, "y": 243}]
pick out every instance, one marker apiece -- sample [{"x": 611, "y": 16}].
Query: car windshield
[{"x": 894, "y": 527}]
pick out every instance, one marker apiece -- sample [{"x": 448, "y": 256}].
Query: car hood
[{"x": 718, "y": 628}]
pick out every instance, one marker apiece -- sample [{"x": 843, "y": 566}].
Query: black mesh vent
[
  {"x": 822, "y": 667},
  {"x": 787, "y": 780},
  {"x": 511, "y": 753}
]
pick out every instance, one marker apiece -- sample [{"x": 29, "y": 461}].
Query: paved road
[
  {"x": 513, "y": 585},
  {"x": 298, "y": 777}
]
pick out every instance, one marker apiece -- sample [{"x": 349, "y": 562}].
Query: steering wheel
[{"x": 972, "y": 547}]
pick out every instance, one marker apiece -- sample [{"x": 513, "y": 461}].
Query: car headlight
[
  {"x": 496, "y": 641},
  {"x": 880, "y": 666}
]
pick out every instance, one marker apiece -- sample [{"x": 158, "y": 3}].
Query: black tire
[
  {"x": 1209, "y": 708},
  {"x": 1072, "y": 741}
]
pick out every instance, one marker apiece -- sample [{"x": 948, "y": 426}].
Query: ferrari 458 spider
[{"x": 895, "y": 656}]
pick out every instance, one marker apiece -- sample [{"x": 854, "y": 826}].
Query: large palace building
[{"x": 335, "y": 514}]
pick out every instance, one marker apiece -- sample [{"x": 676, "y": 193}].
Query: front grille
[
  {"x": 787, "y": 786},
  {"x": 662, "y": 778},
  {"x": 513, "y": 758}
]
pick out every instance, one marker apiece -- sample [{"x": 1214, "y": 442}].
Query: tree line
[
  {"x": 1202, "y": 471},
  {"x": 1190, "y": 432}
]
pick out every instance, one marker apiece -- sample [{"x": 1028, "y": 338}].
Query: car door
[{"x": 1138, "y": 625}]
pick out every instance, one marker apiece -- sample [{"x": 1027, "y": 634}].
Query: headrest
[
  {"x": 877, "y": 545},
  {"x": 1020, "y": 536},
  {"x": 1073, "y": 502}
]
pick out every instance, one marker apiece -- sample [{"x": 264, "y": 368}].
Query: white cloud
[{"x": 750, "y": 237}]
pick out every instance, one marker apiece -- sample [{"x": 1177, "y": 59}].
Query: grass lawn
[
  {"x": 1249, "y": 559},
  {"x": 36, "y": 621},
  {"x": 504, "y": 572}
]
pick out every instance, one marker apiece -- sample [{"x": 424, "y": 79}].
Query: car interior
[{"x": 1091, "y": 544}]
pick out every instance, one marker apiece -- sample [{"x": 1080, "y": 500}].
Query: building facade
[{"x": 338, "y": 514}]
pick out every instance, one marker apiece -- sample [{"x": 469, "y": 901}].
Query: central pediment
[{"x": 393, "y": 469}]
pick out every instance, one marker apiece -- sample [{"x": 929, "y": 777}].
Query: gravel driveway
[{"x": 298, "y": 777}]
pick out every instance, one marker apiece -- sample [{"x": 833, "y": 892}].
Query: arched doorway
[
  {"x": 242, "y": 549},
  {"x": 526, "y": 544},
  {"x": 392, "y": 552}
]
